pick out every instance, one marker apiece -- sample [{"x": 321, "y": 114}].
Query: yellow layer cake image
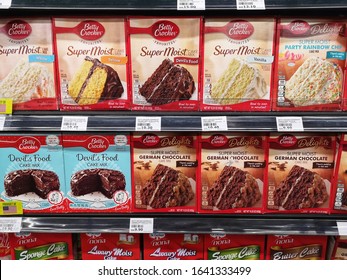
[
  {"x": 316, "y": 81},
  {"x": 27, "y": 81},
  {"x": 240, "y": 82}
]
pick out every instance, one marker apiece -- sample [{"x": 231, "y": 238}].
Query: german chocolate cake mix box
[
  {"x": 92, "y": 63},
  {"x": 296, "y": 247},
  {"x": 165, "y": 167},
  {"x": 238, "y": 63},
  {"x": 41, "y": 246},
  {"x": 310, "y": 64},
  {"x": 220, "y": 246},
  {"x": 97, "y": 172},
  {"x": 26, "y": 54},
  {"x": 163, "y": 246},
  {"x": 32, "y": 171},
  {"x": 165, "y": 63},
  {"x": 233, "y": 168},
  {"x": 110, "y": 246},
  {"x": 300, "y": 172}
]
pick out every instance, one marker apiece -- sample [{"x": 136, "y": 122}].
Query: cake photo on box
[
  {"x": 105, "y": 181},
  {"x": 168, "y": 83},
  {"x": 94, "y": 82},
  {"x": 315, "y": 81},
  {"x": 302, "y": 188},
  {"x": 167, "y": 188},
  {"x": 234, "y": 188},
  {"x": 240, "y": 81}
]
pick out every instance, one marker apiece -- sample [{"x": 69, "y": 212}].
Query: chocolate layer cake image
[
  {"x": 240, "y": 82},
  {"x": 234, "y": 188},
  {"x": 94, "y": 82},
  {"x": 316, "y": 81},
  {"x": 106, "y": 181},
  {"x": 168, "y": 83},
  {"x": 167, "y": 187},
  {"x": 40, "y": 182},
  {"x": 302, "y": 188}
]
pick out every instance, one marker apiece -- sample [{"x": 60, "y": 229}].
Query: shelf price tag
[
  {"x": 190, "y": 5},
  {"x": 141, "y": 225},
  {"x": 11, "y": 208},
  {"x": 6, "y": 105},
  {"x": 2, "y": 122},
  {"x": 289, "y": 124},
  {"x": 214, "y": 123},
  {"x": 148, "y": 124},
  {"x": 342, "y": 228},
  {"x": 5, "y": 4},
  {"x": 74, "y": 123},
  {"x": 11, "y": 224},
  {"x": 250, "y": 4}
]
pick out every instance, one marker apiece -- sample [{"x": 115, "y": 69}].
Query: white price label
[
  {"x": 289, "y": 124},
  {"x": 148, "y": 124},
  {"x": 141, "y": 225},
  {"x": 250, "y": 4},
  {"x": 5, "y": 4},
  {"x": 342, "y": 228},
  {"x": 2, "y": 122},
  {"x": 11, "y": 224},
  {"x": 74, "y": 123},
  {"x": 190, "y": 4},
  {"x": 214, "y": 123}
]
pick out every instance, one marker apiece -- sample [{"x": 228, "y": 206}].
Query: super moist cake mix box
[
  {"x": 238, "y": 63},
  {"x": 300, "y": 173},
  {"x": 110, "y": 246},
  {"x": 32, "y": 171},
  {"x": 163, "y": 246},
  {"x": 233, "y": 169},
  {"x": 92, "y": 63},
  {"x": 310, "y": 65},
  {"x": 296, "y": 247},
  {"x": 234, "y": 247},
  {"x": 97, "y": 172},
  {"x": 26, "y": 53},
  {"x": 165, "y": 167},
  {"x": 165, "y": 63}
]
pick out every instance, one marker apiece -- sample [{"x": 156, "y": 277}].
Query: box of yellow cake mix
[
  {"x": 238, "y": 63},
  {"x": 92, "y": 63},
  {"x": 26, "y": 54}
]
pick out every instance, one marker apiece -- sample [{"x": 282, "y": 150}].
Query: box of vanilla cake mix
[
  {"x": 310, "y": 65},
  {"x": 165, "y": 172},
  {"x": 97, "y": 172},
  {"x": 300, "y": 173},
  {"x": 32, "y": 172},
  {"x": 92, "y": 63},
  {"x": 233, "y": 172},
  {"x": 238, "y": 63},
  {"x": 28, "y": 73},
  {"x": 165, "y": 62}
]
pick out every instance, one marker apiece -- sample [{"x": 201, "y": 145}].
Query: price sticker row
[
  {"x": 141, "y": 225},
  {"x": 190, "y": 5},
  {"x": 13, "y": 224}
]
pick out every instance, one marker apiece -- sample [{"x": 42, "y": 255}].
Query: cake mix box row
[{"x": 173, "y": 63}]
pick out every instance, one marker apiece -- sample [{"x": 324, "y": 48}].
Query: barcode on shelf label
[
  {"x": 214, "y": 123},
  {"x": 141, "y": 225},
  {"x": 74, "y": 123},
  {"x": 2, "y": 122},
  {"x": 190, "y": 4},
  {"x": 250, "y": 4},
  {"x": 289, "y": 124},
  {"x": 148, "y": 124},
  {"x": 342, "y": 228},
  {"x": 11, "y": 224},
  {"x": 5, "y": 4}
]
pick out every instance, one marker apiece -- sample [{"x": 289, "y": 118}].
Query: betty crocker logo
[
  {"x": 150, "y": 140},
  {"x": 97, "y": 144},
  {"x": 299, "y": 27},
  {"x": 28, "y": 145},
  {"x": 17, "y": 29},
  {"x": 218, "y": 140},
  {"x": 287, "y": 140},
  {"x": 240, "y": 29},
  {"x": 165, "y": 30},
  {"x": 91, "y": 30}
]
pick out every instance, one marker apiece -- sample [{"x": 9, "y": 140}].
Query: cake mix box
[
  {"x": 32, "y": 171},
  {"x": 296, "y": 247},
  {"x": 92, "y": 63},
  {"x": 220, "y": 246},
  {"x": 165, "y": 63},
  {"x": 97, "y": 172},
  {"x": 26, "y": 53},
  {"x": 233, "y": 169},
  {"x": 300, "y": 173},
  {"x": 238, "y": 63},
  {"x": 339, "y": 251},
  {"x": 163, "y": 246},
  {"x": 110, "y": 246},
  {"x": 165, "y": 167},
  {"x": 310, "y": 65},
  {"x": 5, "y": 249},
  {"x": 41, "y": 246}
]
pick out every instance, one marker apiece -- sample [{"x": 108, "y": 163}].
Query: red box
[
  {"x": 339, "y": 251},
  {"x": 5, "y": 249}
]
